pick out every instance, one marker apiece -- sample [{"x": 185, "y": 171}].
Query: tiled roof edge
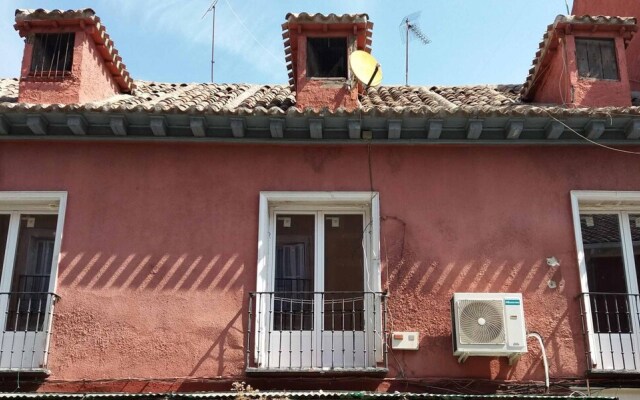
[
  {"x": 23, "y": 14},
  {"x": 326, "y": 18}
]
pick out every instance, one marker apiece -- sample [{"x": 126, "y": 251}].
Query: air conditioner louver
[
  {"x": 481, "y": 322},
  {"x": 488, "y": 324}
]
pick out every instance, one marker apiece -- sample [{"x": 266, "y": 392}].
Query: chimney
[
  {"x": 317, "y": 49},
  {"x": 623, "y": 8},
  {"x": 582, "y": 63},
  {"x": 68, "y": 58}
]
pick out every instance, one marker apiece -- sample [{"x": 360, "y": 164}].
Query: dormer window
[
  {"x": 327, "y": 57},
  {"x": 597, "y": 59},
  {"x": 52, "y": 54}
]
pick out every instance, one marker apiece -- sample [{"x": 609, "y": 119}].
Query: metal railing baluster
[
  {"x": 270, "y": 324},
  {"x": 248, "y": 350},
  {"x": 259, "y": 322},
  {"x": 280, "y": 334},
  {"x": 607, "y": 315},
  {"x": 332, "y": 300},
  {"x": 375, "y": 328},
  {"x": 321, "y": 328},
  {"x": 4, "y": 326},
  {"x": 596, "y": 318},
  {"x": 617, "y": 314},
  {"x": 302, "y": 300},
  {"x": 630, "y": 319},
  {"x": 290, "y": 330},
  {"x": 344, "y": 327}
]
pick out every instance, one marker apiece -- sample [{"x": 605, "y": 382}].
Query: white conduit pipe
[{"x": 544, "y": 357}]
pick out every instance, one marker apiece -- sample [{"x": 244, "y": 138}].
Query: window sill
[
  {"x": 318, "y": 371},
  {"x": 35, "y": 371},
  {"x": 586, "y": 78},
  {"x": 53, "y": 76}
]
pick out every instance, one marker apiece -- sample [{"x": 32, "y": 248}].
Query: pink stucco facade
[{"x": 160, "y": 240}]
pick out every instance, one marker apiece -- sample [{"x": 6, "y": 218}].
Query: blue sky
[{"x": 473, "y": 41}]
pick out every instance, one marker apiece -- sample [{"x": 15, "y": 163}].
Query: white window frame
[
  {"x": 324, "y": 201},
  {"x": 366, "y": 203},
  {"x": 598, "y": 201},
  {"x": 40, "y": 202}
]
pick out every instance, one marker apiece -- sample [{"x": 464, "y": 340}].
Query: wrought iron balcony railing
[
  {"x": 611, "y": 329},
  {"x": 317, "y": 331},
  {"x": 25, "y": 318}
]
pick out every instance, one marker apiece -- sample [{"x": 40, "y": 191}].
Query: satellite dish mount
[{"x": 365, "y": 68}]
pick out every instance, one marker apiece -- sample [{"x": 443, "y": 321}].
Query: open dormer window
[
  {"x": 52, "y": 54},
  {"x": 327, "y": 57},
  {"x": 597, "y": 58}
]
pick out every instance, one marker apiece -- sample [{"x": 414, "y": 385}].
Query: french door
[
  {"x": 27, "y": 247},
  {"x": 319, "y": 311},
  {"x": 611, "y": 246}
]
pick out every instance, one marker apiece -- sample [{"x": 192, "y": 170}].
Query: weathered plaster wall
[
  {"x": 623, "y": 8},
  {"x": 553, "y": 86},
  {"x": 159, "y": 249},
  {"x": 96, "y": 82}
]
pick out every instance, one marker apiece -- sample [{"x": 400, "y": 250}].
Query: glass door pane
[
  {"x": 343, "y": 272},
  {"x": 606, "y": 273},
  {"x": 294, "y": 272},
  {"x": 4, "y": 234},
  {"x": 31, "y": 272}
]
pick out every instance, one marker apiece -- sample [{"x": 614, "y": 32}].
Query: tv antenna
[
  {"x": 409, "y": 30},
  {"x": 212, "y": 10}
]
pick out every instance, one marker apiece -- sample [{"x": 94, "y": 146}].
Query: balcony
[
  {"x": 26, "y": 330},
  {"x": 611, "y": 328},
  {"x": 328, "y": 332}
]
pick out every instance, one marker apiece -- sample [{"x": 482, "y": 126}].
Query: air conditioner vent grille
[{"x": 481, "y": 321}]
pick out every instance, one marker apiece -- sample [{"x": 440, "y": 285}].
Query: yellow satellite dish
[{"x": 365, "y": 68}]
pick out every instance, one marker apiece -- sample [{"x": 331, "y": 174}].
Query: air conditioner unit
[{"x": 488, "y": 324}]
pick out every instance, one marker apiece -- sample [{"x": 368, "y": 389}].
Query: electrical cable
[
  {"x": 564, "y": 103},
  {"x": 544, "y": 357},
  {"x": 277, "y": 59},
  {"x": 590, "y": 140}
]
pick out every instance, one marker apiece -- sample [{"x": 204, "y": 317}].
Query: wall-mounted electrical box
[{"x": 405, "y": 340}]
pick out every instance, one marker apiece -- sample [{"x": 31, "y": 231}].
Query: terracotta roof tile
[
  {"x": 326, "y": 18},
  {"x": 279, "y": 100},
  {"x": 8, "y": 90},
  {"x": 23, "y": 14},
  {"x": 475, "y": 95}
]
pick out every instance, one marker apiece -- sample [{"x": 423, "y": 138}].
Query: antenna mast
[
  {"x": 409, "y": 25},
  {"x": 212, "y": 9}
]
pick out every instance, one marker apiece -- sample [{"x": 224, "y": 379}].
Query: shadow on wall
[
  {"x": 148, "y": 272},
  {"x": 417, "y": 282}
]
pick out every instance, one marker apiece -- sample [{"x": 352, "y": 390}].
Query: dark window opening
[
  {"x": 327, "y": 57},
  {"x": 52, "y": 54},
  {"x": 597, "y": 58}
]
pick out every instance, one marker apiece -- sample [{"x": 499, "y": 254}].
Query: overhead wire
[
  {"x": 590, "y": 140},
  {"x": 564, "y": 103},
  {"x": 277, "y": 59}
]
